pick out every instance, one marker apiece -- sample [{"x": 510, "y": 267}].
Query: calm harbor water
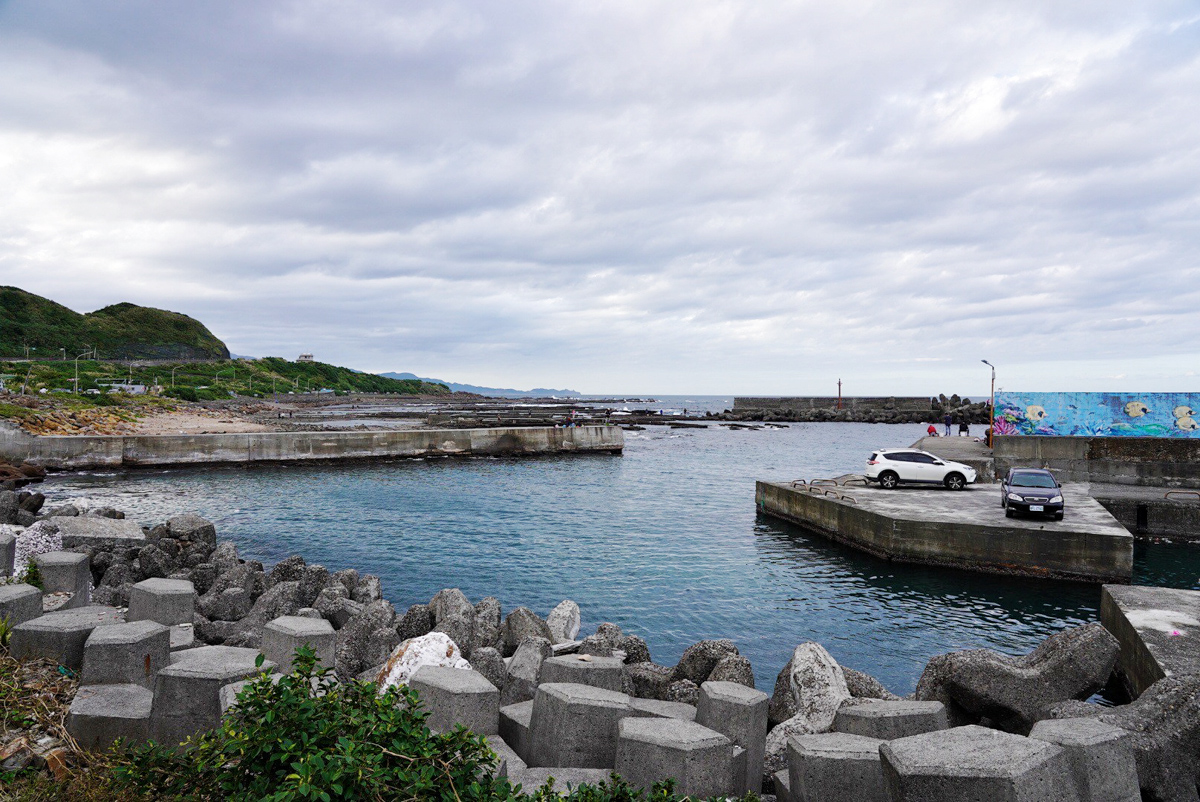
[{"x": 663, "y": 541}]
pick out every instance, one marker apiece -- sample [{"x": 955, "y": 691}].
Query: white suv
[{"x": 891, "y": 466}]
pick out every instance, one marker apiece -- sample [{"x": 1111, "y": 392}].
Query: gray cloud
[{"x": 627, "y": 196}]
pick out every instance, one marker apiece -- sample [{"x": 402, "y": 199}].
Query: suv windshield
[{"x": 1032, "y": 480}]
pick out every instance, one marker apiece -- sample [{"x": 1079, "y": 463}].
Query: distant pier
[
  {"x": 964, "y": 529},
  {"x": 132, "y": 451}
]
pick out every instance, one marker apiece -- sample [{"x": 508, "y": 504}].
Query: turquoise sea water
[{"x": 663, "y": 541}]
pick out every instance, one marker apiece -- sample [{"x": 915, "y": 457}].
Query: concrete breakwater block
[
  {"x": 105, "y": 534},
  {"x": 974, "y": 762},
  {"x": 100, "y": 714},
  {"x": 533, "y": 778},
  {"x": 458, "y": 696},
  {"x": 661, "y": 709},
  {"x": 167, "y": 601},
  {"x": 126, "y": 654},
  {"x": 20, "y": 603},
  {"x": 1100, "y": 755},
  {"x": 514, "y": 728},
  {"x": 61, "y": 635},
  {"x": 836, "y": 766},
  {"x": 66, "y": 572},
  {"x": 584, "y": 669},
  {"x": 187, "y": 693},
  {"x": 285, "y": 634},
  {"x": 8, "y": 553},
  {"x": 889, "y": 720},
  {"x": 740, "y": 714},
  {"x": 652, "y": 749},
  {"x": 576, "y": 725}
]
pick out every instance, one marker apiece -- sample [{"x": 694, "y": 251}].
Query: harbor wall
[
  {"x": 1160, "y": 461},
  {"x": 127, "y": 451},
  {"x": 854, "y": 404},
  {"x": 1049, "y": 553}
]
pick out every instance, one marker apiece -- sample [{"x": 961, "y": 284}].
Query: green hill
[{"x": 120, "y": 331}]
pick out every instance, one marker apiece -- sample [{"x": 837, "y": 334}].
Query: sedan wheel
[{"x": 1008, "y": 513}]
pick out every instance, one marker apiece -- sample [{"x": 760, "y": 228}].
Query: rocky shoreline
[{"x": 821, "y": 724}]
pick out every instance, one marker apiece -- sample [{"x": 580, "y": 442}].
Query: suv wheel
[
  {"x": 888, "y": 480},
  {"x": 955, "y": 481}
]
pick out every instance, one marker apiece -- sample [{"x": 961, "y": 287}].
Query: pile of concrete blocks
[{"x": 905, "y": 751}]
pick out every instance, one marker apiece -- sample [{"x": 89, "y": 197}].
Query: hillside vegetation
[
  {"x": 201, "y": 381},
  {"x": 120, "y": 331}
]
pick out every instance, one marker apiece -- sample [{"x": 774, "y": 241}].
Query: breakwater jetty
[
  {"x": 965, "y": 529},
  {"x": 889, "y": 409},
  {"x": 132, "y": 451}
]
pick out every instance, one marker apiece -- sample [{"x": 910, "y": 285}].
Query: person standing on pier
[{"x": 948, "y": 420}]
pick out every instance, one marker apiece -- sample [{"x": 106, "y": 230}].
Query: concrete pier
[
  {"x": 128, "y": 451},
  {"x": 965, "y": 529},
  {"x": 1158, "y": 629}
]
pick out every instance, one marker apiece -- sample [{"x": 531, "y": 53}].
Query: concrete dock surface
[{"x": 1158, "y": 629}]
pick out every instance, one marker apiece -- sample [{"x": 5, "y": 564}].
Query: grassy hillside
[
  {"x": 120, "y": 331},
  {"x": 206, "y": 380}
]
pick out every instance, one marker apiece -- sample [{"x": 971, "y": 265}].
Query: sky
[{"x": 641, "y": 197}]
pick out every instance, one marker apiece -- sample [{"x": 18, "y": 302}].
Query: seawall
[
  {"x": 1157, "y": 461},
  {"x": 130, "y": 451}
]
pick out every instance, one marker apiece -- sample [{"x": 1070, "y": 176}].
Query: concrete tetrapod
[
  {"x": 584, "y": 669},
  {"x": 576, "y": 725},
  {"x": 100, "y": 714},
  {"x": 652, "y": 749},
  {"x": 187, "y": 693},
  {"x": 889, "y": 720},
  {"x": 8, "y": 553},
  {"x": 514, "y": 728},
  {"x": 60, "y": 635},
  {"x": 167, "y": 601},
  {"x": 834, "y": 766},
  {"x": 974, "y": 762},
  {"x": 740, "y": 714},
  {"x": 285, "y": 634},
  {"x": 20, "y": 603},
  {"x": 66, "y": 572},
  {"x": 1101, "y": 757},
  {"x": 126, "y": 654},
  {"x": 458, "y": 696}
]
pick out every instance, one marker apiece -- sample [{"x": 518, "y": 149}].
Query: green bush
[{"x": 309, "y": 737}]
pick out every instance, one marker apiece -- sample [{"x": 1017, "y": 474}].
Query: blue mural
[{"x": 1099, "y": 414}]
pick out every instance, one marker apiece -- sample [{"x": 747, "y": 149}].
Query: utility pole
[
  {"x": 839, "y": 393},
  {"x": 991, "y": 406}
]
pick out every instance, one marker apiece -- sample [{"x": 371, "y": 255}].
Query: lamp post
[
  {"x": 992, "y": 405},
  {"x": 173, "y": 369},
  {"x": 85, "y": 353}
]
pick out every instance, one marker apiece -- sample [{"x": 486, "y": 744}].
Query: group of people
[{"x": 964, "y": 429}]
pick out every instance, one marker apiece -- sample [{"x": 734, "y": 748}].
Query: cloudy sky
[{"x": 688, "y": 197}]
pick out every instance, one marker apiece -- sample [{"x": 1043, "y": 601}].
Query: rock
[
  {"x": 1014, "y": 692},
  {"x": 333, "y": 605},
  {"x": 313, "y": 580},
  {"x": 683, "y": 690},
  {"x": 203, "y": 576},
  {"x": 63, "y": 511},
  {"x": 733, "y": 668},
  {"x": 289, "y": 569},
  {"x": 699, "y": 659},
  {"x": 283, "y": 599},
  {"x": 931, "y": 687},
  {"x": 231, "y": 604},
  {"x": 239, "y": 576},
  {"x": 416, "y": 622},
  {"x": 155, "y": 563},
  {"x": 596, "y": 646},
  {"x": 487, "y": 625},
  {"x": 109, "y": 596},
  {"x": 776, "y": 750},
  {"x": 564, "y": 621},
  {"x": 369, "y": 589},
  {"x": 454, "y": 615},
  {"x": 434, "y": 649},
  {"x": 348, "y": 578},
  {"x": 353, "y": 639},
  {"x": 225, "y": 556},
  {"x": 245, "y": 639},
  {"x": 193, "y": 528},
  {"x": 864, "y": 686},
  {"x": 118, "y": 575},
  {"x": 488, "y": 662},
  {"x": 380, "y": 645},
  {"x": 524, "y": 670},
  {"x": 520, "y": 624},
  {"x": 636, "y": 650},
  {"x": 649, "y": 680},
  {"x": 818, "y": 686}
]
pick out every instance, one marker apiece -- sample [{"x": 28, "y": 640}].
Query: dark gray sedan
[{"x": 1031, "y": 491}]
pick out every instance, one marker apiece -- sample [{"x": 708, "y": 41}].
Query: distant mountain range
[{"x": 498, "y": 392}]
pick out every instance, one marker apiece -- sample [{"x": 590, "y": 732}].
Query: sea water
[{"x": 663, "y": 541}]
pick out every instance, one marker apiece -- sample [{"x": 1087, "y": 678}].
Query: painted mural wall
[{"x": 1099, "y": 414}]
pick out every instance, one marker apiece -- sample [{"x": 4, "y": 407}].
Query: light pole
[
  {"x": 85, "y": 353},
  {"x": 173, "y": 369},
  {"x": 991, "y": 405}
]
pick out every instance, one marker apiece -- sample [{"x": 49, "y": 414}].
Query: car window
[
  {"x": 1032, "y": 480},
  {"x": 899, "y": 456},
  {"x": 925, "y": 458},
  {"x": 873, "y": 457}
]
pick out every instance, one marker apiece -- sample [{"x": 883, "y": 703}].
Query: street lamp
[
  {"x": 992, "y": 406},
  {"x": 85, "y": 353},
  {"x": 173, "y": 369}
]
